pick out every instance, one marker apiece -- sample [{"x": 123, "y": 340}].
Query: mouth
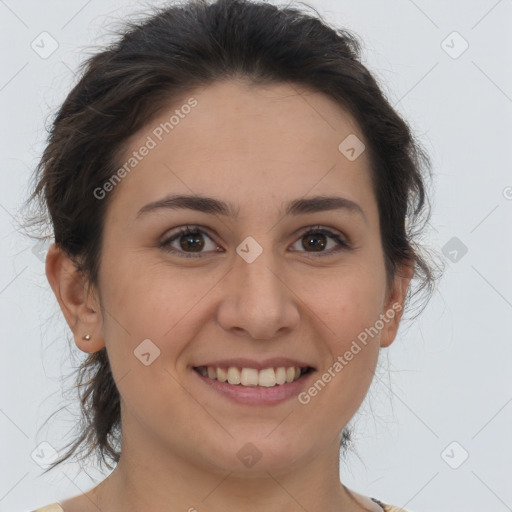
[{"x": 252, "y": 377}]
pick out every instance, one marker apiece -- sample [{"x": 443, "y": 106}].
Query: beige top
[
  {"x": 371, "y": 504},
  {"x": 54, "y": 507}
]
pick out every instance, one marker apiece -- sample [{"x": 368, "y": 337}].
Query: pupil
[
  {"x": 319, "y": 245},
  {"x": 190, "y": 241}
]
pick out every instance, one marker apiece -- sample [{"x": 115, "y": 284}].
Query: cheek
[
  {"x": 348, "y": 301},
  {"x": 147, "y": 298},
  {"x": 350, "y": 307},
  {"x": 144, "y": 300},
  {"x": 142, "y": 335},
  {"x": 352, "y": 351},
  {"x": 139, "y": 305}
]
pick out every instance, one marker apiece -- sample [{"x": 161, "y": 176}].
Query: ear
[
  {"x": 81, "y": 309},
  {"x": 394, "y": 304}
]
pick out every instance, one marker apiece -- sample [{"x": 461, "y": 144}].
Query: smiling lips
[{"x": 265, "y": 377}]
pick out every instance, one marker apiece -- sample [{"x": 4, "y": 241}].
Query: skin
[{"x": 258, "y": 147}]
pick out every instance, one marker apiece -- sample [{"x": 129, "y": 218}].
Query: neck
[{"x": 148, "y": 477}]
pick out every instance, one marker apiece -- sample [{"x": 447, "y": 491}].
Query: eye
[
  {"x": 317, "y": 239},
  {"x": 191, "y": 241},
  {"x": 188, "y": 238}
]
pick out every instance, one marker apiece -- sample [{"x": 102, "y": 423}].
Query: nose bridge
[
  {"x": 257, "y": 299},
  {"x": 256, "y": 268}
]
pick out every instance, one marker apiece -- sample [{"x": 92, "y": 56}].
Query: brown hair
[{"x": 157, "y": 60}]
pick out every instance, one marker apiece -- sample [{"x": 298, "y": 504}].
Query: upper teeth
[{"x": 267, "y": 377}]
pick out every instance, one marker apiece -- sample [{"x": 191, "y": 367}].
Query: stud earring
[{"x": 86, "y": 337}]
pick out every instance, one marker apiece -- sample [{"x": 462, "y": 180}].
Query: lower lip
[{"x": 255, "y": 395}]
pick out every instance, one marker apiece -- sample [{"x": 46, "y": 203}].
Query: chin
[{"x": 258, "y": 455}]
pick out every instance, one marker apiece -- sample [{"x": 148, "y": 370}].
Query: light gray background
[{"x": 449, "y": 378}]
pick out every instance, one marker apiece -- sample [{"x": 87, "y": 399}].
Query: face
[{"x": 268, "y": 279}]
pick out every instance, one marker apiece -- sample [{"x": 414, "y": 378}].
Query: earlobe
[
  {"x": 394, "y": 306},
  {"x": 80, "y": 309}
]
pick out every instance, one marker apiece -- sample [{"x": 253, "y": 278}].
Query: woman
[{"x": 232, "y": 199}]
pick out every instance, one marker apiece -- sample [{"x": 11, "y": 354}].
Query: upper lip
[{"x": 274, "y": 362}]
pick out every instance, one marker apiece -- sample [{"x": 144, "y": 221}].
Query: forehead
[{"x": 263, "y": 143}]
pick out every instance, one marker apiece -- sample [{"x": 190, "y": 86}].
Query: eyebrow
[{"x": 213, "y": 206}]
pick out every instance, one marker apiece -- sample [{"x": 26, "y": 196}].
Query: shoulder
[{"x": 54, "y": 507}]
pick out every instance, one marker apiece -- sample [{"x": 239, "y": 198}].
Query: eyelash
[{"x": 189, "y": 230}]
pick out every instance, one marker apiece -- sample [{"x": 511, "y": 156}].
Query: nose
[{"x": 257, "y": 301}]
